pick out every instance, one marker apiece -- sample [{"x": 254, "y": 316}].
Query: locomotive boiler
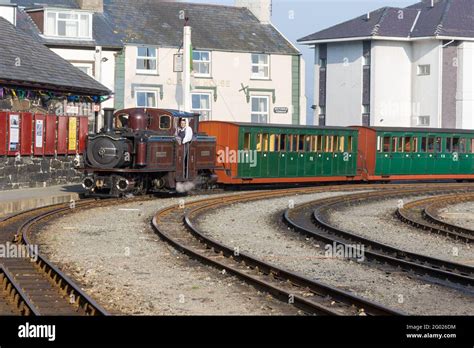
[{"x": 137, "y": 151}]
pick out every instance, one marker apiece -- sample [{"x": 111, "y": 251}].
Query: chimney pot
[{"x": 91, "y": 5}]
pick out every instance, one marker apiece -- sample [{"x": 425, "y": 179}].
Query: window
[
  {"x": 472, "y": 145},
  {"x": 424, "y": 70},
  {"x": 394, "y": 144},
  {"x": 201, "y": 103},
  {"x": 341, "y": 144},
  {"x": 456, "y": 145},
  {"x": 146, "y": 99},
  {"x": 165, "y": 122},
  {"x": 462, "y": 146},
  {"x": 407, "y": 145},
  {"x": 349, "y": 144},
  {"x": 259, "y": 143},
  {"x": 260, "y": 109},
  {"x": 329, "y": 143},
  {"x": 85, "y": 68},
  {"x": 68, "y": 24},
  {"x": 424, "y": 144},
  {"x": 283, "y": 142},
  {"x": 147, "y": 60},
  {"x": 415, "y": 145},
  {"x": 319, "y": 144},
  {"x": 265, "y": 142},
  {"x": 274, "y": 141},
  {"x": 289, "y": 143},
  {"x": 386, "y": 144},
  {"x": 202, "y": 63},
  {"x": 260, "y": 66},
  {"x": 247, "y": 141},
  {"x": 400, "y": 144},
  {"x": 301, "y": 143},
  {"x": 424, "y": 121},
  {"x": 294, "y": 146},
  {"x": 307, "y": 143}
]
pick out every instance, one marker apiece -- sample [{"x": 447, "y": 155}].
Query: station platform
[{"x": 13, "y": 201}]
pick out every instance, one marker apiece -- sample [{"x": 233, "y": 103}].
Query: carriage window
[
  {"x": 329, "y": 143},
  {"x": 349, "y": 144},
  {"x": 463, "y": 146},
  {"x": 394, "y": 144},
  {"x": 319, "y": 145},
  {"x": 424, "y": 144},
  {"x": 437, "y": 146},
  {"x": 455, "y": 145},
  {"x": 289, "y": 143},
  {"x": 283, "y": 140},
  {"x": 415, "y": 145},
  {"x": 165, "y": 122},
  {"x": 400, "y": 144},
  {"x": 386, "y": 144},
  {"x": 247, "y": 141},
  {"x": 314, "y": 143},
  {"x": 274, "y": 140},
  {"x": 308, "y": 143},
  {"x": 259, "y": 143},
  {"x": 431, "y": 144},
  {"x": 265, "y": 142},
  {"x": 336, "y": 143},
  {"x": 341, "y": 143},
  {"x": 294, "y": 146},
  {"x": 407, "y": 144},
  {"x": 472, "y": 145},
  {"x": 301, "y": 143}
]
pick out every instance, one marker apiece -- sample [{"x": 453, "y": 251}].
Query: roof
[
  {"x": 154, "y": 22},
  {"x": 419, "y": 129},
  {"x": 447, "y": 18},
  {"x": 215, "y": 27},
  {"x": 285, "y": 126},
  {"x": 39, "y": 66}
]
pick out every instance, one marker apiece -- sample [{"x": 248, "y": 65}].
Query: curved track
[
  {"x": 311, "y": 296},
  {"x": 312, "y": 219},
  {"x": 36, "y": 286},
  {"x": 424, "y": 214}
]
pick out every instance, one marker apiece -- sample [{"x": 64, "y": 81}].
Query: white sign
[
  {"x": 178, "y": 63},
  {"x": 39, "y": 133},
  {"x": 14, "y": 132}
]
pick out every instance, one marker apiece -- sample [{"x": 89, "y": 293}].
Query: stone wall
[{"x": 26, "y": 171}]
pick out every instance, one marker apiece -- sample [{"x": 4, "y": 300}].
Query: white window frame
[
  {"x": 421, "y": 70},
  {"x": 153, "y": 91},
  {"x": 200, "y": 109},
  {"x": 421, "y": 124},
  {"x": 89, "y": 66},
  {"x": 197, "y": 73},
  {"x": 267, "y": 65},
  {"x": 260, "y": 113},
  {"x": 147, "y": 71},
  {"x": 56, "y": 24}
]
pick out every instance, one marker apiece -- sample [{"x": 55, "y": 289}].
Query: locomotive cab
[{"x": 138, "y": 151}]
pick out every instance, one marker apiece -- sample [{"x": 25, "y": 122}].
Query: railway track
[
  {"x": 31, "y": 284},
  {"x": 424, "y": 214},
  {"x": 178, "y": 226},
  {"x": 312, "y": 219}
]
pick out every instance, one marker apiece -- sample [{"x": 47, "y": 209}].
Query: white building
[
  {"x": 244, "y": 68},
  {"x": 403, "y": 67}
]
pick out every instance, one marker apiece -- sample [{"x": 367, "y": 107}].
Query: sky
[{"x": 298, "y": 18}]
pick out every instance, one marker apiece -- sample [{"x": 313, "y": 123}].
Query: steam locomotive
[{"x": 137, "y": 151}]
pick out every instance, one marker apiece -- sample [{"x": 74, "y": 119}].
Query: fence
[{"x": 42, "y": 135}]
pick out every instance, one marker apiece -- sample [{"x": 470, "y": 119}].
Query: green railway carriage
[
  {"x": 415, "y": 151},
  {"x": 285, "y": 153}
]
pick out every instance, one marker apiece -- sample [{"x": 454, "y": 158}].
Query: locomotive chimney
[{"x": 108, "y": 120}]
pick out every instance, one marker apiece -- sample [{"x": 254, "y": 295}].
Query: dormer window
[{"x": 68, "y": 24}]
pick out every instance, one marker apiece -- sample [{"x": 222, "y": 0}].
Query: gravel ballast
[
  {"x": 121, "y": 263},
  {"x": 377, "y": 221},
  {"x": 254, "y": 228},
  {"x": 459, "y": 214}
]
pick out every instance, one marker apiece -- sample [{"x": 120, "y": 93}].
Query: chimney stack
[
  {"x": 91, "y": 5},
  {"x": 262, "y": 9}
]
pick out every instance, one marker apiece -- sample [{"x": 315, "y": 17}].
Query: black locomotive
[{"x": 138, "y": 151}]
